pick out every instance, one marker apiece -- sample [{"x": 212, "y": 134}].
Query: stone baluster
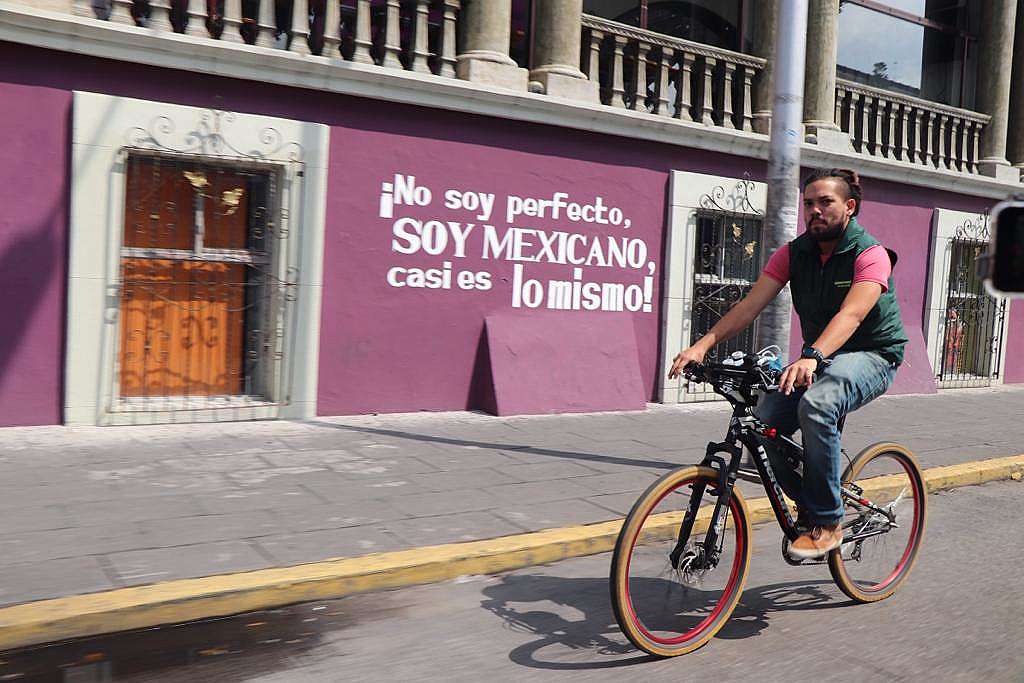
[
  {"x": 300, "y": 27},
  {"x": 707, "y": 109},
  {"x": 232, "y": 22},
  {"x": 865, "y": 123},
  {"x": 266, "y": 24},
  {"x": 926, "y": 139},
  {"x": 846, "y": 105},
  {"x": 747, "y": 123},
  {"x": 332, "y": 29},
  {"x": 594, "y": 59},
  {"x": 727, "y": 110},
  {"x": 486, "y": 28},
  {"x": 640, "y": 93},
  {"x": 901, "y": 149},
  {"x": 945, "y": 139},
  {"x": 364, "y": 30},
  {"x": 160, "y": 16},
  {"x": 557, "y": 31},
  {"x": 881, "y": 117},
  {"x": 892, "y": 112},
  {"x": 664, "y": 72},
  {"x": 840, "y": 97},
  {"x": 91, "y": 9},
  {"x": 195, "y": 19},
  {"x": 976, "y": 132},
  {"x": 393, "y": 35},
  {"x": 960, "y": 142},
  {"x": 421, "y": 47},
  {"x": 618, "y": 82},
  {"x": 914, "y": 139},
  {"x": 685, "y": 112},
  {"x": 121, "y": 12},
  {"x": 451, "y": 8}
]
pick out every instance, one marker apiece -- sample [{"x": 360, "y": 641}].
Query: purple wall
[
  {"x": 1014, "y": 371},
  {"x": 33, "y": 230},
  {"x": 382, "y": 348}
]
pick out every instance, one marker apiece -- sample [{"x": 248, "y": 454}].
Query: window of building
[
  {"x": 965, "y": 325},
  {"x": 920, "y": 48},
  {"x": 520, "y": 44},
  {"x": 712, "y": 259},
  {"x": 718, "y": 23}
]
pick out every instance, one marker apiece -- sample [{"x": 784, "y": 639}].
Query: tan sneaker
[{"x": 815, "y": 543}]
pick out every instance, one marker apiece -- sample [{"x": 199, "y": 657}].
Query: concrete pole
[
  {"x": 1015, "y": 144},
  {"x": 784, "y": 161},
  {"x": 488, "y": 31},
  {"x": 765, "y": 32},
  {"x": 557, "y": 33},
  {"x": 820, "y": 79},
  {"x": 994, "y": 71}
]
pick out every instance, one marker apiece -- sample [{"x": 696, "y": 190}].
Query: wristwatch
[{"x": 811, "y": 352}]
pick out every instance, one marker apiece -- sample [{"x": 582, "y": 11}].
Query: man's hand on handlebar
[
  {"x": 684, "y": 358},
  {"x": 799, "y": 374}
]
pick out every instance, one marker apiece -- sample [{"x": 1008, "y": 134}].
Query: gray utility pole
[{"x": 783, "y": 208}]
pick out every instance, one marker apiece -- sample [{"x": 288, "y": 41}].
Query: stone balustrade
[
  {"x": 417, "y": 35},
  {"x": 667, "y": 76},
  {"x": 893, "y": 126}
]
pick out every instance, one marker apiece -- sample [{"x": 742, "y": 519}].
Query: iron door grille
[
  {"x": 202, "y": 299},
  {"x": 727, "y": 263},
  {"x": 971, "y": 322}
]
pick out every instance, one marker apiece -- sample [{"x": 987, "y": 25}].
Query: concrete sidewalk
[{"x": 94, "y": 509}]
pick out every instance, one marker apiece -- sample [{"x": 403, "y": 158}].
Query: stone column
[
  {"x": 995, "y": 64},
  {"x": 488, "y": 31},
  {"x": 1015, "y": 144},
  {"x": 765, "y": 32},
  {"x": 556, "y": 50},
  {"x": 820, "y": 77}
]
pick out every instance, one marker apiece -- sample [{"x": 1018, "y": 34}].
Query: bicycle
[{"x": 682, "y": 556}]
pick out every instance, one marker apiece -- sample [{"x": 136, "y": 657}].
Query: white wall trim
[
  {"x": 103, "y": 39},
  {"x": 103, "y": 126},
  {"x": 944, "y": 227},
  {"x": 685, "y": 193}
]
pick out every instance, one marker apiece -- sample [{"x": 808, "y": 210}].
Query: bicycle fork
[{"x": 716, "y": 525}]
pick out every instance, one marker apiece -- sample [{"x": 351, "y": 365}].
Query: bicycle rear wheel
[
  {"x": 879, "y": 552},
  {"x": 668, "y": 610}
]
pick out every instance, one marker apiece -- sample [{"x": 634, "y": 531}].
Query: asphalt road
[{"x": 959, "y": 617}]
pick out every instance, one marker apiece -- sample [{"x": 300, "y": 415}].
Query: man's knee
[{"x": 818, "y": 407}]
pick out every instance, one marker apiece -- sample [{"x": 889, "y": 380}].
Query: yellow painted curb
[{"x": 48, "y": 621}]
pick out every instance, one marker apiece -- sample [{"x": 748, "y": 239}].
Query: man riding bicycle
[{"x": 841, "y": 282}]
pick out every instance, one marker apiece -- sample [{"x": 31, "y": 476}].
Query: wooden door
[{"x": 184, "y": 295}]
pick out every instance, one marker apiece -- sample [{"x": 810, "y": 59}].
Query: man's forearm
[{"x": 839, "y": 330}]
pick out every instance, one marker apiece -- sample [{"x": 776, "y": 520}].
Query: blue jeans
[{"x": 854, "y": 379}]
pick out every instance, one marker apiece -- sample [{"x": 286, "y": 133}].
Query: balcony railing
[
  {"x": 659, "y": 74},
  {"x": 417, "y": 35},
  {"x": 886, "y": 124}
]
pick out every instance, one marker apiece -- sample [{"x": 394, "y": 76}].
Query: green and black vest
[{"x": 819, "y": 289}]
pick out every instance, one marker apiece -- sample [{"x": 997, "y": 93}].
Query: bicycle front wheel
[
  {"x": 670, "y": 606},
  {"x": 881, "y": 543}
]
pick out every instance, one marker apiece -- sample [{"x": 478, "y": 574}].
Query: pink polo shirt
[{"x": 871, "y": 266}]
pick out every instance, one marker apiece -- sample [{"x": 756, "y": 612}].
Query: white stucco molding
[
  {"x": 689, "y": 193},
  {"x": 103, "y": 39},
  {"x": 947, "y": 225},
  {"x": 104, "y": 129}
]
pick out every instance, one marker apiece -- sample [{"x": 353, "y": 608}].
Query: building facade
[{"x": 244, "y": 209}]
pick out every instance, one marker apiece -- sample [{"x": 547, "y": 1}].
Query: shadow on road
[{"x": 594, "y": 641}]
